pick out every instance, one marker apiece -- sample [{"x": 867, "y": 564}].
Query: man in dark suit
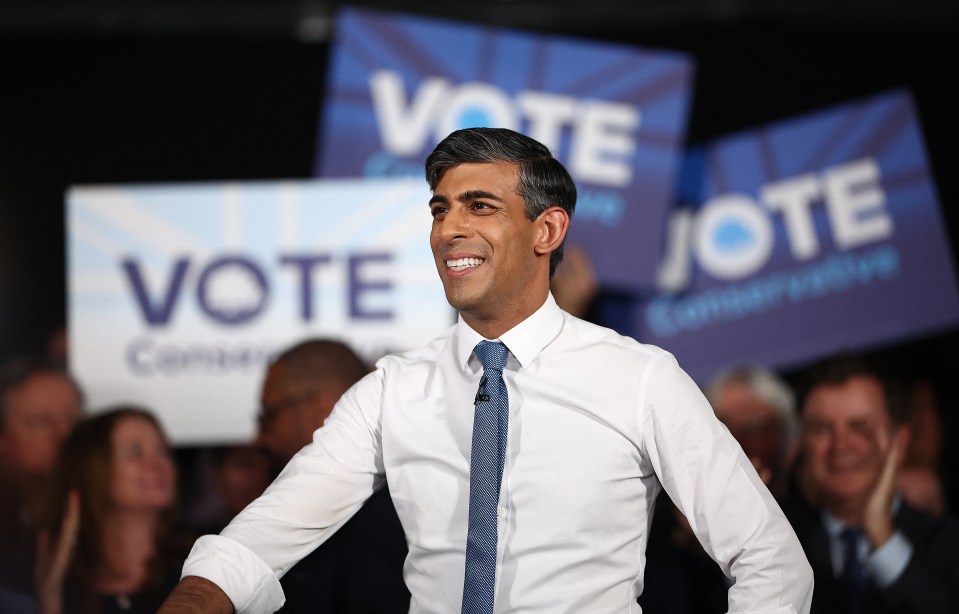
[
  {"x": 360, "y": 569},
  {"x": 870, "y": 552}
]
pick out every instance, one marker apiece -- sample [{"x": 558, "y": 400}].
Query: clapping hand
[
  {"x": 877, "y": 512},
  {"x": 54, "y": 557}
]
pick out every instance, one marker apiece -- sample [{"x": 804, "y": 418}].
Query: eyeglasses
[{"x": 268, "y": 413}]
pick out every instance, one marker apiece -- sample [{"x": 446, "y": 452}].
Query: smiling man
[
  {"x": 524, "y": 448},
  {"x": 870, "y": 551}
]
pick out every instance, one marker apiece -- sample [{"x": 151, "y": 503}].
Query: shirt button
[{"x": 500, "y": 511}]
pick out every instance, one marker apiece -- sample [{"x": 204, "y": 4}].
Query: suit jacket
[
  {"x": 359, "y": 570},
  {"x": 928, "y": 585}
]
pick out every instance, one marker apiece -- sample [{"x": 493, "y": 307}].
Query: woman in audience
[{"x": 107, "y": 544}]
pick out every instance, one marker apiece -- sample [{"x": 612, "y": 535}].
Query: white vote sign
[{"x": 180, "y": 294}]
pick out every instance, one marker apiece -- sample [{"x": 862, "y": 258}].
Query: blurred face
[
  {"x": 483, "y": 242},
  {"x": 753, "y": 422},
  {"x": 144, "y": 475},
  {"x": 291, "y": 411},
  {"x": 241, "y": 476},
  {"x": 847, "y": 432},
  {"x": 40, "y": 414}
]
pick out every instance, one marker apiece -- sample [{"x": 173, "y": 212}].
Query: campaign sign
[
  {"x": 804, "y": 238},
  {"x": 614, "y": 115},
  {"x": 179, "y": 295}
]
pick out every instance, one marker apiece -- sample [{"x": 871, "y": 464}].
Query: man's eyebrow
[
  {"x": 467, "y": 195},
  {"x": 471, "y": 194}
]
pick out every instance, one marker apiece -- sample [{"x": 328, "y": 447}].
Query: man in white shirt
[{"x": 597, "y": 425}]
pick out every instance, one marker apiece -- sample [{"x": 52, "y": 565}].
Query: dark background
[{"x": 117, "y": 92}]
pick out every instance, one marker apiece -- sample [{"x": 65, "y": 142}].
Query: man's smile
[{"x": 461, "y": 264}]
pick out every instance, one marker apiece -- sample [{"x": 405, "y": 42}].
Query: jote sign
[
  {"x": 804, "y": 238},
  {"x": 180, "y": 294},
  {"x": 614, "y": 115}
]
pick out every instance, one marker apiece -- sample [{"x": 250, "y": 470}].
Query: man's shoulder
[
  {"x": 428, "y": 352},
  {"x": 582, "y": 336}
]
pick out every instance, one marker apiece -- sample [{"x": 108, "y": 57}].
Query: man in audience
[
  {"x": 360, "y": 568},
  {"x": 871, "y": 552},
  {"x": 39, "y": 405}
]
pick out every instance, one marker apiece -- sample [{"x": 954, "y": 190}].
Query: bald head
[
  {"x": 332, "y": 363},
  {"x": 301, "y": 387}
]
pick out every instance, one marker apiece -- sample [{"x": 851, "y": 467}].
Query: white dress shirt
[{"x": 598, "y": 424}]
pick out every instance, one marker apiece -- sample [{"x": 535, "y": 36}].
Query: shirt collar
[
  {"x": 833, "y": 525},
  {"x": 525, "y": 340}
]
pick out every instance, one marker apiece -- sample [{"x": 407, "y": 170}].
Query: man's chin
[{"x": 458, "y": 298}]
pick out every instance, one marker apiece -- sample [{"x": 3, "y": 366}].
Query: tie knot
[{"x": 492, "y": 354}]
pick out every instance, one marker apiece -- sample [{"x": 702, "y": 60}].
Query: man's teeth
[{"x": 464, "y": 263}]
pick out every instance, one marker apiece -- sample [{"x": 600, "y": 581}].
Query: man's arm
[
  {"x": 732, "y": 513},
  {"x": 194, "y": 595},
  {"x": 291, "y": 519}
]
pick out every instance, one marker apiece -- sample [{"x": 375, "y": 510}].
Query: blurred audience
[
  {"x": 574, "y": 284},
  {"x": 107, "y": 542},
  {"x": 922, "y": 489},
  {"x": 925, "y": 445},
  {"x": 919, "y": 480},
  {"x": 231, "y": 476},
  {"x": 871, "y": 551},
  {"x": 360, "y": 568},
  {"x": 39, "y": 405}
]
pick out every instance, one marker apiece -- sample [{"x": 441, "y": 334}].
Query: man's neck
[{"x": 495, "y": 326}]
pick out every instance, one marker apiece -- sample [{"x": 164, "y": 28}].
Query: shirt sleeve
[
  {"x": 888, "y": 561},
  {"x": 732, "y": 513},
  {"x": 317, "y": 492}
]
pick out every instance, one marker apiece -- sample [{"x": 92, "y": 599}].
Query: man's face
[
  {"x": 483, "y": 242},
  {"x": 291, "y": 411},
  {"x": 752, "y": 422},
  {"x": 40, "y": 414},
  {"x": 847, "y": 432}
]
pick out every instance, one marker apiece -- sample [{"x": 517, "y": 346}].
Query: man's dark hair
[
  {"x": 543, "y": 182},
  {"x": 837, "y": 370},
  {"x": 17, "y": 371}
]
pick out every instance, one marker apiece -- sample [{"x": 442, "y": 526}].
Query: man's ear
[{"x": 551, "y": 227}]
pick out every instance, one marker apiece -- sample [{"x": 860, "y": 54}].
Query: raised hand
[
  {"x": 877, "y": 512},
  {"x": 54, "y": 557}
]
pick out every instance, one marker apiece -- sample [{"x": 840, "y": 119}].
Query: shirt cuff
[
  {"x": 249, "y": 582},
  {"x": 888, "y": 561}
]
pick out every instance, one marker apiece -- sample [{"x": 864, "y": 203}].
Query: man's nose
[
  {"x": 456, "y": 224},
  {"x": 841, "y": 439}
]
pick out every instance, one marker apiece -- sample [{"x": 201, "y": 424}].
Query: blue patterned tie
[
  {"x": 486, "y": 473},
  {"x": 854, "y": 576}
]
